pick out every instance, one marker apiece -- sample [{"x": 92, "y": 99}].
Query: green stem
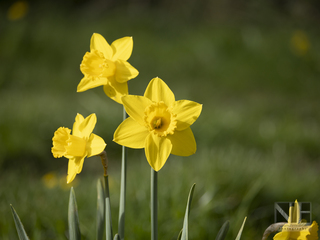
[
  {"x": 109, "y": 233},
  {"x": 122, "y": 203},
  {"x": 154, "y": 205}
]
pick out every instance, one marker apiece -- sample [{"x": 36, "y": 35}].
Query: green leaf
[
  {"x": 73, "y": 219},
  {"x": 223, "y": 231},
  {"x": 116, "y": 237},
  {"x": 100, "y": 210},
  {"x": 179, "y": 236},
  {"x": 240, "y": 231},
  {"x": 184, "y": 235},
  {"x": 19, "y": 226}
]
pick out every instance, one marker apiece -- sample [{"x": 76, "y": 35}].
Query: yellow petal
[
  {"x": 98, "y": 42},
  {"x": 74, "y": 167},
  {"x": 124, "y": 71},
  {"x": 76, "y": 125},
  {"x": 84, "y": 127},
  {"x": 158, "y": 90},
  {"x": 135, "y": 106},
  {"x": 157, "y": 150},
  {"x": 183, "y": 142},
  {"x": 131, "y": 134},
  {"x": 122, "y": 48},
  {"x": 88, "y": 82},
  {"x": 115, "y": 90},
  {"x": 95, "y": 145},
  {"x": 282, "y": 236},
  {"x": 187, "y": 113}
]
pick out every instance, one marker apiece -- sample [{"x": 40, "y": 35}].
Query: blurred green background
[{"x": 254, "y": 65}]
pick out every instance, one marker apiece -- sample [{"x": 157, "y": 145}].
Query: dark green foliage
[{"x": 19, "y": 226}]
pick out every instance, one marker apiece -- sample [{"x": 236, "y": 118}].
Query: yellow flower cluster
[{"x": 158, "y": 123}]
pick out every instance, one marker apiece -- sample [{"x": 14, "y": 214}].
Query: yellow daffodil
[
  {"x": 107, "y": 66},
  {"x": 78, "y": 145},
  {"x": 294, "y": 229},
  {"x": 158, "y": 123}
]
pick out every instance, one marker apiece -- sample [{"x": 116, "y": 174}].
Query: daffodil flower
[
  {"x": 158, "y": 123},
  {"x": 295, "y": 229},
  {"x": 107, "y": 66},
  {"x": 78, "y": 145}
]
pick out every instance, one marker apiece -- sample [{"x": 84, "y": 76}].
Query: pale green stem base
[{"x": 109, "y": 233}]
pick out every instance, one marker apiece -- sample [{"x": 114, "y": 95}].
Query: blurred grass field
[{"x": 254, "y": 69}]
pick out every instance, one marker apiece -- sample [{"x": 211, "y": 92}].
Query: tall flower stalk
[
  {"x": 123, "y": 187},
  {"x": 154, "y": 204}
]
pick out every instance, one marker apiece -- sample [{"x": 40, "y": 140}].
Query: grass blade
[
  {"x": 240, "y": 231},
  {"x": 19, "y": 226},
  {"x": 223, "y": 231},
  {"x": 179, "y": 236},
  {"x": 100, "y": 210},
  {"x": 184, "y": 235},
  {"x": 73, "y": 219}
]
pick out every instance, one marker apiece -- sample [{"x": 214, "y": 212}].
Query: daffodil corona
[
  {"x": 107, "y": 66},
  {"x": 158, "y": 123},
  {"x": 78, "y": 145}
]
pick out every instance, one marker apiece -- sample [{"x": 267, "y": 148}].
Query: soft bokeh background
[{"x": 254, "y": 65}]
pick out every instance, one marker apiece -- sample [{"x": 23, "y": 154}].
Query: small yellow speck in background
[
  {"x": 50, "y": 180},
  {"x": 18, "y": 10},
  {"x": 300, "y": 43}
]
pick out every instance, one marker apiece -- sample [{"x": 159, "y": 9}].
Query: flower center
[
  {"x": 160, "y": 119},
  {"x": 67, "y": 145},
  {"x": 157, "y": 123},
  {"x": 94, "y": 64}
]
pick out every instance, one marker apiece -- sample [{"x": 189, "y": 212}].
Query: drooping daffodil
[
  {"x": 158, "y": 123},
  {"x": 107, "y": 66},
  {"x": 295, "y": 229},
  {"x": 78, "y": 145}
]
